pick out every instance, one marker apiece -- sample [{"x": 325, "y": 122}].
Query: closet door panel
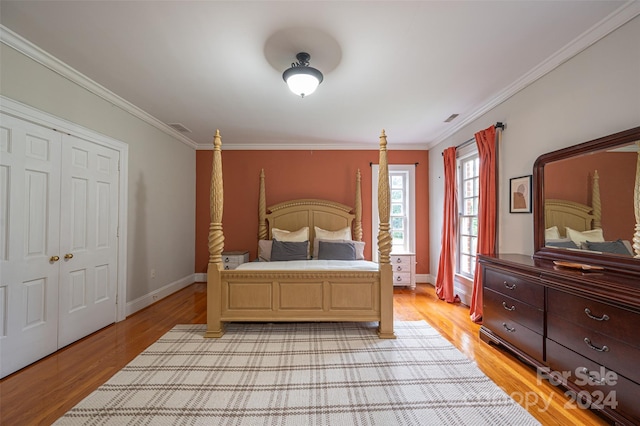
[
  {"x": 88, "y": 239},
  {"x": 29, "y": 241}
]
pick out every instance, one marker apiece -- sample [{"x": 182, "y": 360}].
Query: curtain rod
[{"x": 500, "y": 125}]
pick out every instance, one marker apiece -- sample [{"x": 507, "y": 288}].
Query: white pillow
[
  {"x": 552, "y": 233},
  {"x": 298, "y": 236},
  {"x": 578, "y": 237},
  {"x": 340, "y": 234}
]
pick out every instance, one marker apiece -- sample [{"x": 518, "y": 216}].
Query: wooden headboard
[
  {"x": 563, "y": 213},
  {"x": 295, "y": 214},
  {"x": 578, "y": 216}
]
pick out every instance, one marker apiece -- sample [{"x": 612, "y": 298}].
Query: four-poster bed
[{"x": 323, "y": 292}]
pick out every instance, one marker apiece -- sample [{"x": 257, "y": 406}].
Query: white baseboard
[
  {"x": 201, "y": 277},
  {"x": 150, "y": 298},
  {"x": 425, "y": 278}
]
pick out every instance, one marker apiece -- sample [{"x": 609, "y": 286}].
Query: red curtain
[
  {"x": 446, "y": 264},
  {"x": 486, "y": 141}
]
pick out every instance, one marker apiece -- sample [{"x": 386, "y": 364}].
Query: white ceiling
[{"x": 404, "y": 66}]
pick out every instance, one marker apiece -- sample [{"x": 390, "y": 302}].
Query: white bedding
[{"x": 311, "y": 265}]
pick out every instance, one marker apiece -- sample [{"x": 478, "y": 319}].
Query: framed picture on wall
[{"x": 520, "y": 194}]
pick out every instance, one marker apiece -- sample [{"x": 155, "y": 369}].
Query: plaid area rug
[{"x": 300, "y": 374}]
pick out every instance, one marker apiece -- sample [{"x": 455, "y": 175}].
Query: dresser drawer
[
  {"x": 498, "y": 304},
  {"x": 600, "y": 348},
  {"x": 596, "y": 380},
  {"x": 514, "y": 333},
  {"x": 513, "y": 286},
  {"x": 605, "y": 319}
]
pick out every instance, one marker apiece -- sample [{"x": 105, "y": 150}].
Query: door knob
[
  {"x": 54, "y": 258},
  {"x": 68, "y": 256}
]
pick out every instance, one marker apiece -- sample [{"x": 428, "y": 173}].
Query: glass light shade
[{"x": 302, "y": 84}]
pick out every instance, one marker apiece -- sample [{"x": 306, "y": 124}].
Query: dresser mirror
[{"x": 587, "y": 203}]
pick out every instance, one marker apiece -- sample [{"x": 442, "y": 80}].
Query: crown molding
[
  {"x": 32, "y": 51},
  {"x": 373, "y": 146},
  {"x": 615, "y": 20}
]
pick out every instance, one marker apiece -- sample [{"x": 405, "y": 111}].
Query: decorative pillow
[
  {"x": 580, "y": 237},
  {"x": 331, "y": 250},
  {"x": 264, "y": 250},
  {"x": 552, "y": 233},
  {"x": 340, "y": 234},
  {"x": 359, "y": 245},
  {"x": 289, "y": 250},
  {"x": 299, "y": 236},
  {"x": 561, "y": 242},
  {"x": 613, "y": 247}
]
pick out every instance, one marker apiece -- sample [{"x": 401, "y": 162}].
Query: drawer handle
[
  {"x": 398, "y": 278},
  {"x": 512, "y": 308},
  {"x": 509, "y": 329},
  {"x": 399, "y": 268},
  {"x": 399, "y": 260},
  {"x": 604, "y": 317},
  {"x": 226, "y": 259},
  {"x": 605, "y": 348},
  {"x": 593, "y": 378},
  {"x": 510, "y": 286}
]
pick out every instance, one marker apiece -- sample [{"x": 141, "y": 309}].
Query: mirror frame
[{"x": 611, "y": 262}]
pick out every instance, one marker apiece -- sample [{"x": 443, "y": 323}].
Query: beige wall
[
  {"x": 161, "y": 202},
  {"x": 594, "y": 94}
]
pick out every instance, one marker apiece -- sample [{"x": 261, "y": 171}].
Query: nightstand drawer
[{"x": 401, "y": 278}]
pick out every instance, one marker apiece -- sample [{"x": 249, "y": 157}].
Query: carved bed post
[
  {"x": 357, "y": 227},
  {"x": 595, "y": 201},
  {"x": 262, "y": 210},
  {"x": 216, "y": 243},
  {"x": 636, "y": 206},
  {"x": 385, "y": 329}
]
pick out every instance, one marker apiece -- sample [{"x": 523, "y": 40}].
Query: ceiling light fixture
[{"x": 302, "y": 79}]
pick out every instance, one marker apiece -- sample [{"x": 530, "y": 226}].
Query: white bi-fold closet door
[{"x": 58, "y": 241}]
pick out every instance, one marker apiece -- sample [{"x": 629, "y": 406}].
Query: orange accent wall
[
  {"x": 571, "y": 180},
  {"x": 289, "y": 175}
]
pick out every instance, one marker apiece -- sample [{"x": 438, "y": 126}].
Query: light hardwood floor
[{"x": 42, "y": 392}]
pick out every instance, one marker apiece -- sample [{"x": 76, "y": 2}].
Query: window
[
  {"x": 468, "y": 191},
  {"x": 402, "y": 214}
]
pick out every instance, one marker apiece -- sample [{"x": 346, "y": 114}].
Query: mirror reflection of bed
[{"x": 590, "y": 202}]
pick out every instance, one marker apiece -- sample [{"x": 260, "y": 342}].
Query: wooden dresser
[{"x": 581, "y": 329}]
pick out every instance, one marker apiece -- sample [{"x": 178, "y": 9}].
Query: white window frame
[
  {"x": 468, "y": 153},
  {"x": 410, "y": 171}
]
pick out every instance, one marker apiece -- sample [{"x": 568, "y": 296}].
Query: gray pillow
[
  {"x": 613, "y": 247},
  {"x": 289, "y": 250},
  {"x": 328, "y": 250},
  {"x": 358, "y": 244},
  {"x": 561, "y": 242}
]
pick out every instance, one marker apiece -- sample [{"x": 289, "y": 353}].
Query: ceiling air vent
[{"x": 179, "y": 127}]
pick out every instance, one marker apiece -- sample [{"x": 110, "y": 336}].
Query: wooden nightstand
[
  {"x": 404, "y": 269},
  {"x": 231, "y": 259}
]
